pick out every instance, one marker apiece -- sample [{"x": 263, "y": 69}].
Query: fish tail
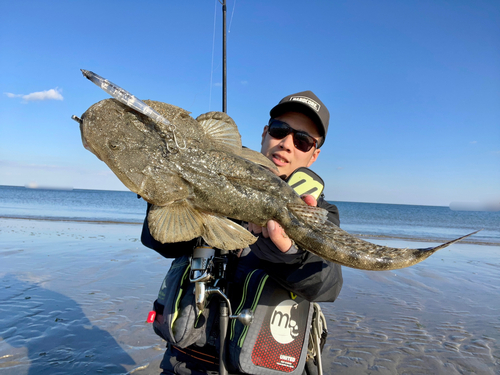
[
  {"x": 434, "y": 249},
  {"x": 319, "y": 236}
]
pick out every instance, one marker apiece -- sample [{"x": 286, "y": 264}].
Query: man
[{"x": 292, "y": 139}]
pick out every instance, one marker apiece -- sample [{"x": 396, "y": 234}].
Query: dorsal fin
[
  {"x": 258, "y": 158},
  {"x": 310, "y": 214},
  {"x": 221, "y": 130}
]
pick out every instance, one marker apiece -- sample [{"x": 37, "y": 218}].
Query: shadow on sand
[{"x": 58, "y": 337}]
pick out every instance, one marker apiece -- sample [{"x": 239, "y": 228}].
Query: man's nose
[{"x": 287, "y": 142}]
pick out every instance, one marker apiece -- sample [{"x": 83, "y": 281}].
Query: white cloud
[
  {"x": 473, "y": 142},
  {"x": 10, "y": 95},
  {"x": 52, "y": 94}
]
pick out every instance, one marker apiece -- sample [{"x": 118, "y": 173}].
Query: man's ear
[
  {"x": 263, "y": 135},
  {"x": 314, "y": 157}
]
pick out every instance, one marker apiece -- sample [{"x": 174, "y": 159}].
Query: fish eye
[{"x": 113, "y": 145}]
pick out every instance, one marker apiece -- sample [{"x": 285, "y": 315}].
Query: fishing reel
[
  {"x": 202, "y": 272},
  {"x": 208, "y": 270}
]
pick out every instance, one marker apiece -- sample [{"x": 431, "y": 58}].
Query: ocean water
[
  {"x": 427, "y": 223},
  {"x": 72, "y": 205},
  {"x": 423, "y": 223}
]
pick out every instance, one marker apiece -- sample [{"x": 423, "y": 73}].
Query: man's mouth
[{"x": 279, "y": 161}]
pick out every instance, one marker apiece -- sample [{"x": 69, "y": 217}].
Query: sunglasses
[{"x": 301, "y": 140}]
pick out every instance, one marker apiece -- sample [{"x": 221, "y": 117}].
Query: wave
[
  {"x": 363, "y": 235},
  {"x": 72, "y": 220}
]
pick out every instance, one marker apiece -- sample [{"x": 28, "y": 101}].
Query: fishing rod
[
  {"x": 224, "y": 60},
  {"x": 223, "y": 307}
]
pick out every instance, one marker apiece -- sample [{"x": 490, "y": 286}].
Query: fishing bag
[
  {"x": 275, "y": 342},
  {"x": 183, "y": 324},
  {"x": 277, "y": 339}
]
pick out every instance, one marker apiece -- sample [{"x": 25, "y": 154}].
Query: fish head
[{"x": 133, "y": 148}]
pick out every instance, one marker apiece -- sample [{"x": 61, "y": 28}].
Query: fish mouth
[
  {"x": 136, "y": 182},
  {"x": 85, "y": 144},
  {"x": 89, "y": 148}
]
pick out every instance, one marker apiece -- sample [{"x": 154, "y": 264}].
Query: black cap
[{"x": 307, "y": 103}]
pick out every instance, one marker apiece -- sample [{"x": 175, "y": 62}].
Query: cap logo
[{"x": 304, "y": 99}]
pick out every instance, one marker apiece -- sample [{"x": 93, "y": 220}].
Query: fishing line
[{"x": 231, "y": 20}]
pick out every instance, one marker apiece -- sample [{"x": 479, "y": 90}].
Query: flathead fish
[{"x": 196, "y": 174}]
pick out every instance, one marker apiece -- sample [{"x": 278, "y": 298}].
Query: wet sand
[
  {"x": 441, "y": 316},
  {"x": 74, "y": 298}
]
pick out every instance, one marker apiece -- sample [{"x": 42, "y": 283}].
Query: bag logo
[{"x": 283, "y": 325}]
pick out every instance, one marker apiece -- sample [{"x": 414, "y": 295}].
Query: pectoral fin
[
  {"x": 180, "y": 221},
  {"x": 176, "y": 222}
]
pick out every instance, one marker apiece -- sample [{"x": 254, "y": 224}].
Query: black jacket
[{"x": 303, "y": 273}]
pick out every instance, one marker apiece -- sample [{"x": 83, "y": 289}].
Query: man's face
[{"x": 282, "y": 152}]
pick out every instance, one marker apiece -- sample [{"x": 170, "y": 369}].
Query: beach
[{"x": 75, "y": 297}]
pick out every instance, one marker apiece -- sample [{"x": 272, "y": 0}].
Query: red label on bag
[
  {"x": 151, "y": 317},
  {"x": 279, "y": 342}
]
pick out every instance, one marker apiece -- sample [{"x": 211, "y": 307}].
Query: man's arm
[{"x": 301, "y": 272}]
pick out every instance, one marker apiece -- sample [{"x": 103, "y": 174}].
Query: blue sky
[{"x": 413, "y": 87}]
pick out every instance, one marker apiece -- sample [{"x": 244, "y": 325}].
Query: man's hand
[{"x": 275, "y": 232}]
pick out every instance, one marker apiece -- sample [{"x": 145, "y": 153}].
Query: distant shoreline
[
  {"x": 363, "y": 236},
  {"x": 49, "y": 188},
  {"x": 71, "y": 220}
]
